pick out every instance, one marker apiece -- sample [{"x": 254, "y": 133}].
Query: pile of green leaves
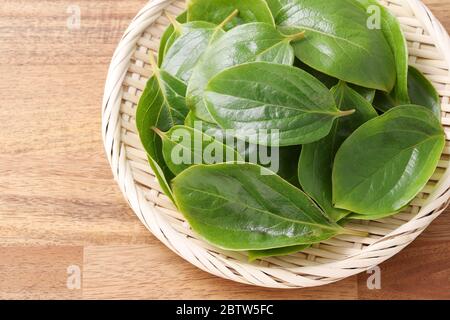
[{"x": 358, "y": 129}]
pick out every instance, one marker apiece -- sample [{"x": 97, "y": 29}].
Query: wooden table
[{"x": 60, "y": 208}]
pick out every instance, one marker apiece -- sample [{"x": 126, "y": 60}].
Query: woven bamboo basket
[{"x": 324, "y": 263}]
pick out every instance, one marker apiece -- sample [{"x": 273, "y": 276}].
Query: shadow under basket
[{"x": 324, "y": 263}]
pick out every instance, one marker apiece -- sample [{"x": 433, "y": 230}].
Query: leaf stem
[
  {"x": 347, "y": 113},
  {"x": 228, "y": 19},
  {"x": 296, "y": 36},
  {"x": 161, "y": 134},
  {"x": 173, "y": 21},
  {"x": 153, "y": 63}
]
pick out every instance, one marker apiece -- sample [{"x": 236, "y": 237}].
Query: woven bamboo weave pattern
[{"x": 330, "y": 261}]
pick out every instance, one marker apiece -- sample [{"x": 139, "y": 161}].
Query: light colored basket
[{"x": 330, "y": 261}]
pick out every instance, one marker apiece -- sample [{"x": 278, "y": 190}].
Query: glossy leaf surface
[
  {"x": 287, "y": 157},
  {"x": 168, "y": 37},
  {"x": 189, "y": 47},
  {"x": 246, "y": 43},
  {"x": 285, "y": 99},
  {"x": 394, "y": 35},
  {"x": 236, "y": 207},
  {"x": 184, "y": 146},
  {"x": 421, "y": 92},
  {"x": 338, "y": 41},
  {"x": 366, "y": 93},
  {"x": 316, "y": 160},
  {"x": 356, "y": 216},
  {"x": 261, "y": 254},
  {"x": 162, "y": 105},
  {"x": 386, "y": 162},
  {"x": 216, "y": 11},
  {"x": 327, "y": 80}
]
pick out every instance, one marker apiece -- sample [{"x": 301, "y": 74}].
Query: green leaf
[
  {"x": 288, "y": 164},
  {"x": 211, "y": 129},
  {"x": 287, "y": 157},
  {"x": 421, "y": 92},
  {"x": 261, "y": 254},
  {"x": 366, "y": 93},
  {"x": 394, "y": 35},
  {"x": 189, "y": 47},
  {"x": 347, "y": 98},
  {"x": 168, "y": 37},
  {"x": 383, "y": 101},
  {"x": 338, "y": 41},
  {"x": 316, "y": 160},
  {"x": 385, "y": 163},
  {"x": 184, "y": 146},
  {"x": 356, "y": 216},
  {"x": 275, "y": 7},
  {"x": 162, "y": 177},
  {"x": 246, "y": 43},
  {"x": 329, "y": 82},
  {"x": 286, "y": 99},
  {"x": 216, "y": 11},
  {"x": 242, "y": 207},
  {"x": 162, "y": 105}
]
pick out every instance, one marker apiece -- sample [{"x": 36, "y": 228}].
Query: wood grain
[
  {"x": 59, "y": 205},
  {"x": 123, "y": 272},
  {"x": 421, "y": 271},
  {"x": 38, "y": 272}
]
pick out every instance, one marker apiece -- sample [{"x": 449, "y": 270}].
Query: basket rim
[{"x": 111, "y": 127}]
